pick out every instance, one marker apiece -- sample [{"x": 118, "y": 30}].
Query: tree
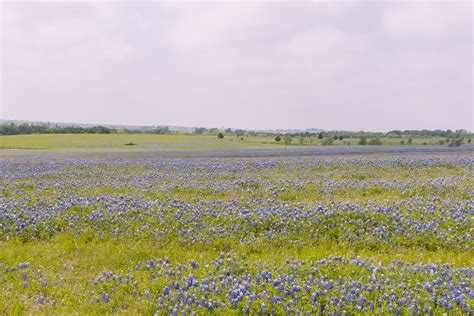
[
  {"x": 239, "y": 132},
  {"x": 456, "y": 142},
  {"x": 335, "y": 137},
  {"x": 228, "y": 130},
  {"x": 199, "y": 130},
  {"x": 375, "y": 141},
  {"x": 287, "y": 140},
  {"x": 278, "y": 138},
  {"x": 363, "y": 141},
  {"x": 220, "y": 135},
  {"x": 301, "y": 140},
  {"x": 327, "y": 141},
  {"x": 341, "y": 137},
  {"x": 410, "y": 141},
  {"x": 320, "y": 135}
]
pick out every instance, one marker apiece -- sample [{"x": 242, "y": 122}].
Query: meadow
[
  {"x": 143, "y": 231},
  {"x": 181, "y": 141}
]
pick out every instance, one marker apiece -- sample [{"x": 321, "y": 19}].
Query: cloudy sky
[{"x": 351, "y": 65}]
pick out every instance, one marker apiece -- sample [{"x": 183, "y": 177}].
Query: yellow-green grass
[
  {"x": 120, "y": 141},
  {"x": 91, "y": 258},
  {"x": 171, "y": 142}
]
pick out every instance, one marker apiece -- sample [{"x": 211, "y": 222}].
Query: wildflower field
[{"x": 170, "y": 233}]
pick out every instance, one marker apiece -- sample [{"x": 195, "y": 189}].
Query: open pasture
[
  {"x": 156, "y": 142},
  {"x": 84, "y": 232}
]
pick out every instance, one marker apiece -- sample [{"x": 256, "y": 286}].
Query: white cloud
[{"x": 427, "y": 19}]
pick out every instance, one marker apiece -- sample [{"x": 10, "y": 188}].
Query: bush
[
  {"x": 287, "y": 140},
  {"x": 363, "y": 141},
  {"x": 327, "y": 141},
  {"x": 375, "y": 141},
  {"x": 455, "y": 142},
  {"x": 278, "y": 138},
  {"x": 220, "y": 135}
]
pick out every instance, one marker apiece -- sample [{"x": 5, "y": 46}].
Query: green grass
[
  {"x": 168, "y": 142},
  {"x": 122, "y": 141}
]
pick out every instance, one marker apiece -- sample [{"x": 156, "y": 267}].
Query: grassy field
[
  {"x": 169, "y": 142},
  {"x": 84, "y": 233}
]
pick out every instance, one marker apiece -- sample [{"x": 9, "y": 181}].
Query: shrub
[
  {"x": 375, "y": 141},
  {"x": 363, "y": 141},
  {"x": 220, "y": 135},
  {"x": 327, "y": 141},
  {"x": 456, "y": 142},
  {"x": 287, "y": 140},
  {"x": 278, "y": 138}
]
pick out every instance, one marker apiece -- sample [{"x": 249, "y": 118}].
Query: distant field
[
  {"x": 117, "y": 141},
  {"x": 170, "y": 142}
]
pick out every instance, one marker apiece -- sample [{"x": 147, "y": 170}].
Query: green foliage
[
  {"x": 220, "y": 135},
  {"x": 25, "y": 129},
  {"x": 363, "y": 141},
  {"x": 327, "y": 141},
  {"x": 455, "y": 142},
  {"x": 200, "y": 130},
  {"x": 375, "y": 141}
]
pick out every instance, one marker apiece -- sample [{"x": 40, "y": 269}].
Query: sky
[{"x": 338, "y": 65}]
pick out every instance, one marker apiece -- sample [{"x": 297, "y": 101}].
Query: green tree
[
  {"x": 220, "y": 135},
  {"x": 375, "y": 141},
  {"x": 199, "y": 130},
  {"x": 277, "y": 138},
  {"x": 287, "y": 140},
  {"x": 327, "y": 141}
]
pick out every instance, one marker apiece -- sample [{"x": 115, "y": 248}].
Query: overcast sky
[{"x": 347, "y": 65}]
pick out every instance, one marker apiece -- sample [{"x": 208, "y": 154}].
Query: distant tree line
[
  {"x": 339, "y": 135},
  {"x": 25, "y": 129},
  {"x": 427, "y": 133},
  {"x": 159, "y": 130}
]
